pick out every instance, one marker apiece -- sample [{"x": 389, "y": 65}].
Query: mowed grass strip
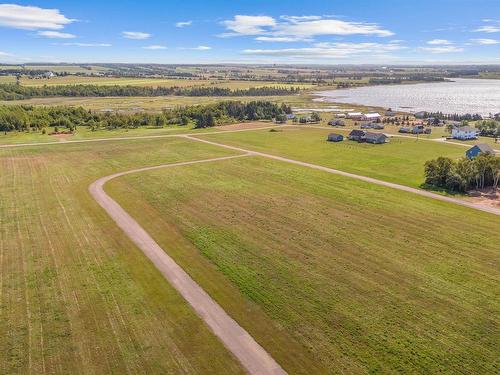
[
  {"x": 76, "y": 296},
  {"x": 369, "y": 279},
  {"x": 401, "y": 160}
]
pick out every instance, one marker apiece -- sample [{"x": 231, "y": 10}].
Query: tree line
[
  {"x": 26, "y": 118},
  {"x": 465, "y": 174},
  {"x": 19, "y": 92},
  {"x": 489, "y": 128},
  {"x": 453, "y": 116}
]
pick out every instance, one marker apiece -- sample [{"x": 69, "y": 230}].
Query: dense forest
[
  {"x": 18, "y": 92},
  {"x": 26, "y": 118}
]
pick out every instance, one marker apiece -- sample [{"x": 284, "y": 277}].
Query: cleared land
[
  {"x": 368, "y": 278},
  {"x": 78, "y": 296},
  {"x": 400, "y": 161},
  {"x": 135, "y": 103},
  {"x": 75, "y": 294}
]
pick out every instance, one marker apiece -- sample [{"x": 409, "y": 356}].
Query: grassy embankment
[
  {"x": 369, "y": 279},
  {"x": 77, "y": 296}
]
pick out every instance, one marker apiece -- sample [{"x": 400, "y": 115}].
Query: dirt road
[{"x": 251, "y": 355}]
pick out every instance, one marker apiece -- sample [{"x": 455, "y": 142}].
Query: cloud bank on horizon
[{"x": 218, "y": 34}]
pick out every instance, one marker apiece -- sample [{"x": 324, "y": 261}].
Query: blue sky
[{"x": 323, "y": 32}]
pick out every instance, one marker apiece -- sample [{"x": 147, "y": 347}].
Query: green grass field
[
  {"x": 369, "y": 279},
  {"x": 151, "y": 82},
  {"x": 401, "y": 160},
  {"x": 78, "y": 296},
  {"x": 75, "y": 295},
  {"x": 135, "y": 104}
]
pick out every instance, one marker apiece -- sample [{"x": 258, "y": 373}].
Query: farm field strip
[
  {"x": 424, "y": 193},
  {"x": 252, "y": 356}
]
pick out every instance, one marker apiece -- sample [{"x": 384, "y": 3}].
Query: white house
[
  {"x": 464, "y": 133},
  {"x": 371, "y": 116},
  {"x": 340, "y": 115},
  {"x": 49, "y": 75},
  {"x": 355, "y": 115}
]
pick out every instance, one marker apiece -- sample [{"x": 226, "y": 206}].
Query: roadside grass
[
  {"x": 369, "y": 279},
  {"x": 76, "y": 296},
  {"x": 400, "y": 161}
]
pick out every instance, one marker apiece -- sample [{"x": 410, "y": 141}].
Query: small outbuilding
[
  {"x": 481, "y": 148},
  {"x": 356, "y": 135},
  {"x": 376, "y": 138},
  {"x": 333, "y": 137}
]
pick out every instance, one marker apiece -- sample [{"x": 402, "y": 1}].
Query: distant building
[
  {"x": 376, "y": 138},
  {"x": 390, "y": 113},
  {"x": 481, "y": 148},
  {"x": 464, "y": 133},
  {"x": 48, "y": 75},
  {"x": 421, "y": 114},
  {"x": 340, "y": 115},
  {"x": 356, "y": 135},
  {"x": 336, "y": 123},
  {"x": 418, "y": 129},
  {"x": 371, "y": 116},
  {"x": 355, "y": 115},
  {"x": 332, "y": 137}
]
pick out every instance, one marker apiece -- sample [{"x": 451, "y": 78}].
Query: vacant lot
[
  {"x": 75, "y": 295},
  {"x": 369, "y": 279},
  {"x": 401, "y": 161}
]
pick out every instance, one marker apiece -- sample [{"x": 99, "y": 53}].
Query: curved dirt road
[{"x": 251, "y": 355}]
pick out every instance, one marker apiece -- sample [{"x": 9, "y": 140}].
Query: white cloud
[
  {"x": 298, "y": 27},
  {"x": 137, "y": 35},
  {"x": 442, "y": 49},
  {"x": 488, "y": 29},
  {"x": 83, "y": 44},
  {"x": 184, "y": 23},
  {"x": 328, "y": 50},
  {"x": 155, "y": 47},
  {"x": 485, "y": 41},
  {"x": 202, "y": 48},
  {"x": 281, "y": 39},
  {"x": 55, "y": 35},
  {"x": 439, "y": 42},
  {"x": 248, "y": 25},
  {"x": 5, "y": 54},
  {"x": 31, "y": 17}
]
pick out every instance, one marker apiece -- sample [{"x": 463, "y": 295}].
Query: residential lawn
[
  {"x": 401, "y": 160},
  {"x": 76, "y": 296},
  {"x": 369, "y": 279}
]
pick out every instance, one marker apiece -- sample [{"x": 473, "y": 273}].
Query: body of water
[{"x": 460, "y": 96}]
